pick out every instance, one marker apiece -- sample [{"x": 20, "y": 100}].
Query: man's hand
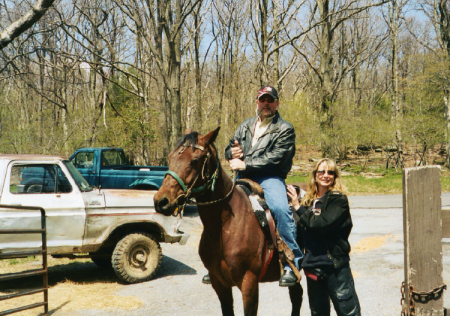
[
  {"x": 236, "y": 150},
  {"x": 236, "y": 164}
]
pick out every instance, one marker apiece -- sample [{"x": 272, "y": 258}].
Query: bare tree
[
  {"x": 196, "y": 31},
  {"x": 159, "y": 27},
  {"x": 438, "y": 13},
  {"x": 395, "y": 12},
  {"x": 326, "y": 45},
  {"x": 23, "y": 23},
  {"x": 229, "y": 29},
  {"x": 276, "y": 26}
]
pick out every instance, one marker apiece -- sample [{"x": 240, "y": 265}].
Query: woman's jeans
[{"x": 276, "y": 199}]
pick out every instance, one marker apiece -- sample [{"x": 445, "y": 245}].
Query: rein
[{"x": 209, "y": 184}]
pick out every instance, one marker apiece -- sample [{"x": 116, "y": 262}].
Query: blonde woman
[{"x": 325, "y": 225}]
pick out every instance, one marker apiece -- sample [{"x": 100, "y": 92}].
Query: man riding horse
[{"x": 262, "y": 150}]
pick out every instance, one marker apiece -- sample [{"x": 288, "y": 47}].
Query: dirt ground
[{"x": 83, "y": 289}]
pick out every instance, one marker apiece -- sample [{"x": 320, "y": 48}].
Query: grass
[
  {"x": 375, "y": 182},
  {"x": 21, "y": 260},
  {"x": 361, "y": 185}
]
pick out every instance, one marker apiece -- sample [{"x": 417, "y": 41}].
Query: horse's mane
[
  {"x": 190, "y": 140},
  {"x": 187, "y": 140}
]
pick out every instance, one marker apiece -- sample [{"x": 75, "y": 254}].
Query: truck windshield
[{"x": 81, "y": 182}]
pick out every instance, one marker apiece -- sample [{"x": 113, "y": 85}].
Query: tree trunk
[
  {"x": 326, "y": 37},
  {"x": 276, "y": 53},
  {"x": 198, "y": 113},
  {"x": 444, "y": 32},
  {"x": 264, "y": 42},
  {"x": 175, "y": 80},
  {"x": 447, "y": 123},
  {"x": 396, "y": 105}
]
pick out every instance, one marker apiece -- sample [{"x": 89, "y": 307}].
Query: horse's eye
[{"x": 194, "y": 162}]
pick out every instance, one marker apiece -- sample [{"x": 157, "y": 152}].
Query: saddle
[{"x": 267, "y": 223}]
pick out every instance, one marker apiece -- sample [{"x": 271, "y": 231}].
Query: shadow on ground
[
  {"x": 171, "y": 267},
  {"x": 78, "y": 272},
  {"x": 89, "y": 272}
]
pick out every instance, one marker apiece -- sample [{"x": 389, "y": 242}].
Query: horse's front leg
[
  {"x": 250, "y": 291},
  {"x": 225, "y": 295}
]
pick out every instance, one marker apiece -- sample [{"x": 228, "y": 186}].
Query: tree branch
[{"x": 25, "y": 22}]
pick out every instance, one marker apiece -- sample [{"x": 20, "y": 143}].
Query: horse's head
[{"x": 193, "y": 168}]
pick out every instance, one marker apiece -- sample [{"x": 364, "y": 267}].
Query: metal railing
[{"x": 28, "y": 273}]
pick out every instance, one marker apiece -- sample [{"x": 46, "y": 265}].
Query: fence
[{"x": 44, "y": 272}]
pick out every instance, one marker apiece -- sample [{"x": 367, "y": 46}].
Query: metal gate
[{"x": 29, "y": 273}]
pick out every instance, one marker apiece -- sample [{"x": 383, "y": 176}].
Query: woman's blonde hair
[{"x": 312, "y": 189}]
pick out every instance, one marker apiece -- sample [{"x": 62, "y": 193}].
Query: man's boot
[
  {"x": 206, "y": 279},
  {"x": 288, "y": 278}
]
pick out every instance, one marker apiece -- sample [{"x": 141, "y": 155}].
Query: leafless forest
[{"x": 134, "y": 74}]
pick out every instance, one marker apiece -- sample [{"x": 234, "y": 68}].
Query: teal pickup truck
[{"x": 107, "y": 168}]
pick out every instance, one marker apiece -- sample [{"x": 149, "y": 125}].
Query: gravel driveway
[{"x": 376, "y": 261}]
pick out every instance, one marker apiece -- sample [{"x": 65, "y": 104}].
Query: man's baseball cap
[{"x": 268, "y": 90}]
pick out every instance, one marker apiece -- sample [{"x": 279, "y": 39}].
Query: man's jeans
[{"x": 276, "y": 199}]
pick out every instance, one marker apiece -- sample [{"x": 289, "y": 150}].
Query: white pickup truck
[{"x": 117, "y": 228}]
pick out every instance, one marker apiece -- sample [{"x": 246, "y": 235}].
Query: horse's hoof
[
  {"x": 288, "y": 278},
  {"x": 206, "y": 279}
]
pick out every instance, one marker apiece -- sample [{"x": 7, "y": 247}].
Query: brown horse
[{"x": 232, "y": 242}]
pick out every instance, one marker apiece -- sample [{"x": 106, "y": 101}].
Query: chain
[
  {"x": 402, "y": 300},
  {"x": 419, "y": 296},
  {"x": 411, "y": 301},
  {"x": 422, "y": 296}
]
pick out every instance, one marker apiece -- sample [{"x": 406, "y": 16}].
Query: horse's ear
[
  {"x": 211, "y": 136},
  {"x": 188, "y": 131}
]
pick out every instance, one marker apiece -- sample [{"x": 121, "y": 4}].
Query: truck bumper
[
  {"x": 184, "y": 239},
  {"x": 181, "y": 238}
]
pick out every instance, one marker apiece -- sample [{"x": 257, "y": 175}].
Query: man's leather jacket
[{"x": 273, "y": 153}]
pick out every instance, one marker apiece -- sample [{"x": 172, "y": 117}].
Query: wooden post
[
  {"x": 422, "y": 229},
  {"x": 446, "y": 222}
]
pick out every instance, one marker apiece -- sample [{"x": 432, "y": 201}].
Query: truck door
[{"x": 46, "y": 185}]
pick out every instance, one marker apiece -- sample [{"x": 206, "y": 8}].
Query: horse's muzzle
[{"x": 163, "y": 205}]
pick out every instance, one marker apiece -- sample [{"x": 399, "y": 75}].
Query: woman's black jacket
[{"x": 325, "y": 236}]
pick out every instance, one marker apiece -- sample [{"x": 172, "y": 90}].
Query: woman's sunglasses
[{"x": 329, "y": 172}]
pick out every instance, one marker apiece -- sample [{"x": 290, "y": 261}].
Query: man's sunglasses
[
  {"x": 329, "y": 172},
  {"x": 268, "y": 99}
]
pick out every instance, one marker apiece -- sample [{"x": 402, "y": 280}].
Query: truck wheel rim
[{"x": 139, "y": 257}]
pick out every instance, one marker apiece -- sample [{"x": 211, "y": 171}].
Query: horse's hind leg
[
  {"x": 225, "y": 295},
  {"x": 250, "y": 292},
  {"x": 296, "y": 296}
]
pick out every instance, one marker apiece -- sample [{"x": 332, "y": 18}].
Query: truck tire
[{"x": 136, "y": 258}]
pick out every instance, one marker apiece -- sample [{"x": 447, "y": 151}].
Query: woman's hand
[{"x": 292, "y": 193}]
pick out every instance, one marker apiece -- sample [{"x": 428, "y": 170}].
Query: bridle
[{"x": 210, "y": 180}]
